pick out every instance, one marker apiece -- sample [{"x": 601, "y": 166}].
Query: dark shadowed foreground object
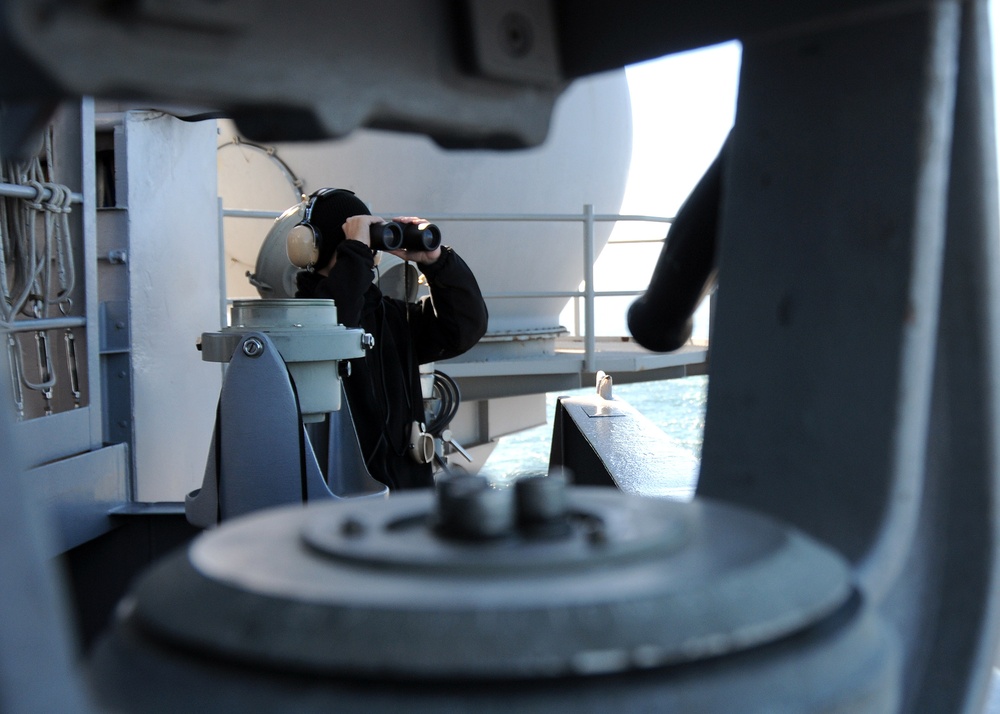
[{"x": 501, "y": 599}]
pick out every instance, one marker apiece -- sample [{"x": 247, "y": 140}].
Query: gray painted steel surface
[{"x": 854, "y": 371}]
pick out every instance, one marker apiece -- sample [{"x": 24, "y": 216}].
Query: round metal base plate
[{"x": 369, "y": 588}]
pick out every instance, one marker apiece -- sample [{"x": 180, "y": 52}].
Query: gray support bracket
[
  {"x": 256, "y": 458},
  {"x": 260, "y": 431},
  {"x": 334, "y": 442},
  {"x": 851, "y": 395},
  {"x": 262, "y": 455}
]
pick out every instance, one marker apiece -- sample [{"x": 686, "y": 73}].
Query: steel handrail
[
  {"x": 14, "y": 190},
  {"x": 588, "y": 218}
]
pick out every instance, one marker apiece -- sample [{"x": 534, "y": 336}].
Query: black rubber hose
[
  {"x": 661, "y": 319},
  {"x": 451, "y": 398}
]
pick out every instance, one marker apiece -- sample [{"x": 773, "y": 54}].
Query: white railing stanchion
[{"x": 589, "y": 338}]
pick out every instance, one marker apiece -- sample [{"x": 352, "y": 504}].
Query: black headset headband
[{"x": 312, "y": 202}]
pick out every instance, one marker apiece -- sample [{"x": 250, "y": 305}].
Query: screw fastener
[
  {"x": 352, "y": 528},
  {"x": 253, "y": 347}
]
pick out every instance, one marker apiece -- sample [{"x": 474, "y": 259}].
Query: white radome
[{"x": 584, "y": 161}]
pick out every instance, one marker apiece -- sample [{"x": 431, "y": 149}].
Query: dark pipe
[{"x": 661, "y": 319}]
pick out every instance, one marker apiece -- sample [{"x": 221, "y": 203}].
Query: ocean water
[{"x": 677, "y": 406}]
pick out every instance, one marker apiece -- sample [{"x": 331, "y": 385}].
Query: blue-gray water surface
[{"x": 677, "y": 406}]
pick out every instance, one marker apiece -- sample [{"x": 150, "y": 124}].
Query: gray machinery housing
[{"x": 281, "y": 411}]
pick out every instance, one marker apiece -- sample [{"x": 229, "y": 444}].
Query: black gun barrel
[{"x": 661, "y": 319}]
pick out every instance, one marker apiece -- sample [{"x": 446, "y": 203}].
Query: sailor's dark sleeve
[
  {"x": 454, "y": 318},
  {"x": 347, "y": 282}
]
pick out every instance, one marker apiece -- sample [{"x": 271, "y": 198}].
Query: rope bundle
[
  {"x": 44, "y": 273},
  {"x": 37, "y": 272}
]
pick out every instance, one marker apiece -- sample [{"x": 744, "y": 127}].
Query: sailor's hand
[
  {"x": 359, "y": 228},
  {"x": 424, "y": 257}
]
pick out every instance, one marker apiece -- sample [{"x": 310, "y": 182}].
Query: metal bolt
[
  {"x": 253, "y": 347},
  {"x": 541, "y": 498},
  {"x": 597, "y": 534},
  {"x": 367, "y": 341},
  {"x": 352, "y": 528},
  {"x": 516, "y": 34},
  {"x": 469, "y": 508}
]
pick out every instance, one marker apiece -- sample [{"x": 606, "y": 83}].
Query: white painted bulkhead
[{"x": 174, "y": 288}]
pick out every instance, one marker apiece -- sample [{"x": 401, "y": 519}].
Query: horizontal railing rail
[
  {"x": 588, "y": 218},
  {"x": 13, "y": 190}
]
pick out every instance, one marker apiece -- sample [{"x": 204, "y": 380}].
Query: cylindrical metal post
[{"x": 589, "y": 340}]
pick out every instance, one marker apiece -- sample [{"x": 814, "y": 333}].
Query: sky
[
  {"x": 682, "y": 109},
  {"x": 683, "y": 106}
]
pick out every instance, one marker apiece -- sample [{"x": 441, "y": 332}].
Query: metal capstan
[{"x": 539, "y": 590}]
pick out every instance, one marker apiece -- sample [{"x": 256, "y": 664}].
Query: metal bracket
[{"x": 515, "y": 41}]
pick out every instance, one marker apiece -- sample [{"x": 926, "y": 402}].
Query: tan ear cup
[
  {"x": 301, "y": 246},
  {"x": 421, "y": 444}
]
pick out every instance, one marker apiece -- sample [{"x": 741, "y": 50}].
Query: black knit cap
[{"x": 330, "y": 208}]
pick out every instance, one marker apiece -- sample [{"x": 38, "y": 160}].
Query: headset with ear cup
[{"x": 304, "y": 240}]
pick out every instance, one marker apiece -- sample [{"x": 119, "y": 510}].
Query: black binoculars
[{"x": 393, "y": 235}]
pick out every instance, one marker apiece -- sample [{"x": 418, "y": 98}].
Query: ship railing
[
  {"x": 588, "y": 294},
  {"x": 42, "y": 194}
]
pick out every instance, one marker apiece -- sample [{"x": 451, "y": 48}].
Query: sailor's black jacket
[{"x": 383, "y": 388}]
